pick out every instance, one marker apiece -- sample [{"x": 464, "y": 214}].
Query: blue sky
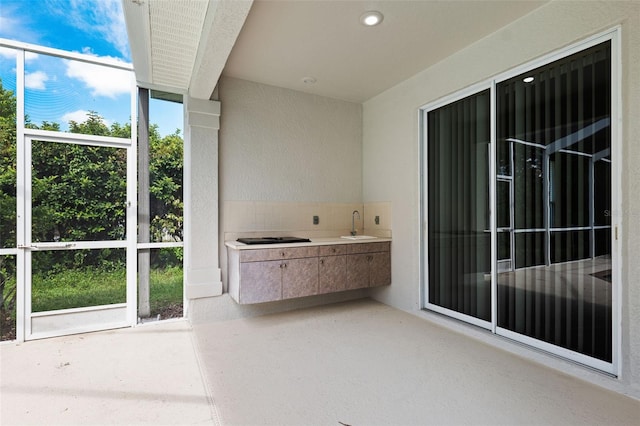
[{"x": 60, "y": 90}]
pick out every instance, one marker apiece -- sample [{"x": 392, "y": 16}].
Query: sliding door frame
[
  {"x": 424, "y": 295},
  {"x": 613, "y": 36}
]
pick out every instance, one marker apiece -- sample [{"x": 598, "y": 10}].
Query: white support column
[{"x": 201, "y": 260}]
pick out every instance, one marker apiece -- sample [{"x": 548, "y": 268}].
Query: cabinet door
[
  {"x": 380, "y": 269},
  {"x": 333, "y": 274},
  {"x": 261, "y": 282},
  {"x": 299, "y": 277},
  {"x": 357, "y": 271}
]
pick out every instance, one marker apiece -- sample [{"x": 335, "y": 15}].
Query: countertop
[{"x": 325, "y": 241}]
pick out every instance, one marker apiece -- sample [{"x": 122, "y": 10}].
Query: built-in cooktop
[{"x": 273, "y": 240}]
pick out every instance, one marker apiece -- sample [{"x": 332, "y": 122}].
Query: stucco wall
[
  {"x": 282, "y": 145},
  {"x": 391, "y": 133}
]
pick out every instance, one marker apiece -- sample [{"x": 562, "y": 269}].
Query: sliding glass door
[
  {"x": 554, "y": 123},
  {"x": 537, "y": 146},
  {"x": 459, "y": 242}
]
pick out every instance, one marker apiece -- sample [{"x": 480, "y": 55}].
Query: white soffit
[
  {"x": 219, "y": 35},
  {"x": 136, "y": 14},
  {"x": 182, "y": 46},
  {"x": 176, "y": 27}
]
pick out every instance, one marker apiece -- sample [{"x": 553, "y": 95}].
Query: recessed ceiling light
[
  {"x": 371, "y": 18},
  {"x": 309, "y": 80},
  {"x": 528, "y": 79}
]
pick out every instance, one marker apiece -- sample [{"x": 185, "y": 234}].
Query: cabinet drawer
[
  {"x": 334, "y": 250},
  {"x": 369, "y": 247},
  {"x": 260, "y": 255}
]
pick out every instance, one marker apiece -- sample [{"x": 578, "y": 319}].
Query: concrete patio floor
[
  {"x": 136, "y": 376},
  {"x": 356, "y": 363}
]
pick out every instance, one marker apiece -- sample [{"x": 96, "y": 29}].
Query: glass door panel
[
  {"x": 459, "y": 244},
  {"x": 558, "y": 118}
]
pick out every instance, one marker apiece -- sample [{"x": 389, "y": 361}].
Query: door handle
[{"x": 47, "y": 246}]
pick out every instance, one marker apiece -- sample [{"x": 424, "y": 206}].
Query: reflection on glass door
[
  {"x": 554, "y": 122},
  {"x": 551, "y": 281}
]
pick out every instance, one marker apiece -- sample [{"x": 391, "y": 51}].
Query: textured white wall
[
  {"x": 281, "y": 145},
  {"x": 391, "y": 134}
]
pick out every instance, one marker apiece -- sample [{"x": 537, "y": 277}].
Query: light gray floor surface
[
  {"x": 364, "y": 363},
  {"x": 144, "y": 375},
  {"x": 356, "y": 363}
]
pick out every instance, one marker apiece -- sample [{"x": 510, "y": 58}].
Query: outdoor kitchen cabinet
[
  {"x": 332, "y": 269},
  {"x": 268, "y": 275},
  {"x": 368, "y": 265},
  {"x": 258, "y": 275},
  {"x": 261, "y": 282},
  {"x": 299, "y": 277}
]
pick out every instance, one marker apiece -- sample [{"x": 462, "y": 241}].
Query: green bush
[{"x": 80, "y": 288}]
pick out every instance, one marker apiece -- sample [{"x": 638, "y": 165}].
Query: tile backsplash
[{"x": 250, "y": 217}]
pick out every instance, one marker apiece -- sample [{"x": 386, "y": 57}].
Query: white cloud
[
  {"x": 102, "y": 81},
  {"x": 113, "y": 26},
  {"x": 79, "y": 116},
  {"x": 5, "y": 52},
  {"x": 9, "y": 53},
  {"x": 36, "y": 80},
  {"x": 104, "y": 17},
  {"x": 7, "y": 23},
  {"x": 16, "y": 22}
]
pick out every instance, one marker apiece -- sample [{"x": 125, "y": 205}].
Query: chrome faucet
[{"x": 353, "y": 221}]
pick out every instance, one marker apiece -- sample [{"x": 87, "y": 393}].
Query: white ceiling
[
  {"x": 184, "y": 45},
  {"x": 284, "y": 41}
]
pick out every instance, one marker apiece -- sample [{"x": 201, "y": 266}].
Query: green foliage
[
  {"x": 93, "y": 126},
  {"x": 90, "y": 287},
  {"x": 8, "y": 292},
  {"x": 7, "y": 207},
  {"x": 78, "y": 288},
  {"x": 166, "y": 288},
  {"x": 7, "y": 168},
  {"x": 167, "y": 257},
  {"x": 165, "y": 189},
  {"x": 79, "y": 194}
]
